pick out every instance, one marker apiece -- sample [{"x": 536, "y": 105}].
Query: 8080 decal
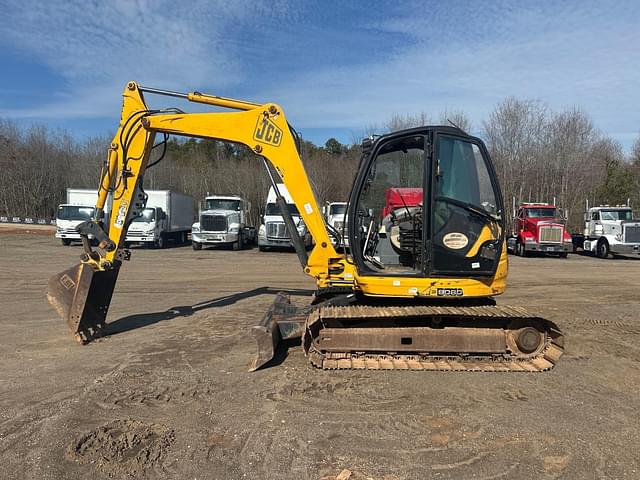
[{"x": 450, "y": 292}]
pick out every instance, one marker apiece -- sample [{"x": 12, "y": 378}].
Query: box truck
[{"x": 167, "y": 216}]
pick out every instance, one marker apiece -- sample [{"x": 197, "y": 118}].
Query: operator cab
[{"x": 426, "y": 202}]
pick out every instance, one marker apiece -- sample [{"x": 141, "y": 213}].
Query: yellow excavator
[{"x": 414, "y": 288}]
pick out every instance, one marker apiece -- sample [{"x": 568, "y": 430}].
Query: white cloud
[
  {"x": 96, "y": 47},
  {"x": 563, "y": 54},
  {"x": 452, "y": 55}
]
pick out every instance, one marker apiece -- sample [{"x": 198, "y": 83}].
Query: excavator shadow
[{"x": 133, "y": 322}]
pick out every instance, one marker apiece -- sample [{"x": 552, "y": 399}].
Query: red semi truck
[
  {"x": 539, "y": 228},
  {"x": 399, "y": 197}
]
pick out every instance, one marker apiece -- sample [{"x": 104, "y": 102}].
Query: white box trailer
[
  {"x": 79, "y": 208},
  {"x": 167, "y": 216}
]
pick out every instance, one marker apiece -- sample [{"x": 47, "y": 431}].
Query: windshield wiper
[{"x": 469, "y": 207}]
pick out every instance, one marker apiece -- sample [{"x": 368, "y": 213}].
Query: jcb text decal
[
  {"x": 122, "y": 214},
  {"x": 267, "y": 132}
]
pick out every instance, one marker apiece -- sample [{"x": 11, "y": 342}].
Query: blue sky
[{"x": 338, "y": 68}]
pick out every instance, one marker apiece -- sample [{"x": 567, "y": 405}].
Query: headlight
[
  {"x": 149, "y": 232},
  {"x": 529, "y": 239},
  {"x": 618, "y": 237},
  {"x": 302, "y": 229},
  {"x": 234, "y": 229},
  {"x": 262, "y": 231},
  {"x": 195, "y": 227}
]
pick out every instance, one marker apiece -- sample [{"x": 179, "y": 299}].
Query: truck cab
[
  {"x": 68, "y": 217},
  {"x": 223, "y": 220},
  {"x": 79, "y": 207},
  {"x": 539, "y": 228},
  {"x": 148, "y": 227},
  {"x": 611, "y": 230},
  {"x": 273, "y": 231}
]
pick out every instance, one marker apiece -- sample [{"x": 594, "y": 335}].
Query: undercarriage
[{"x": 344, "y": 334}]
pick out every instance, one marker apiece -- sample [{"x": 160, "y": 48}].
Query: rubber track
[{"x": 544, "y": 360}]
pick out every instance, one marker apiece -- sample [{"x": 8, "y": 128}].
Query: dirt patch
[{"x": 123, "y": 446}]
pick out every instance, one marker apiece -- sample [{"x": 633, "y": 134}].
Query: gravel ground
[{"x": 168, "y": 395}]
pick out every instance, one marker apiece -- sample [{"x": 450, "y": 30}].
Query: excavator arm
[{"x": 82, "y": 294}]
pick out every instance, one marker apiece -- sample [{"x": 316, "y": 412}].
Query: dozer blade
[
  {"x": 282, "y": 321},
  {"x": 81, "y": 296}
]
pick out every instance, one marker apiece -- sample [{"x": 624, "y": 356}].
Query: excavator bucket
[
  {"x": 282, "y": 321},
  {"x": 81, "y": 296}
]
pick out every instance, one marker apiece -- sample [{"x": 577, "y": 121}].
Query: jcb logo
[{"x": 267, "y": 132}]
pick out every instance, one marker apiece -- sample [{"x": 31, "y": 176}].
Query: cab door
[{"x": 466, "y": 222}]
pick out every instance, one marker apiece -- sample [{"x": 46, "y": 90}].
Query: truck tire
[
  {"x": 196, "y": 245},
  {"x": 262, "y": 248},
  {"x": 563, "y": 255},
  {"x": 602, "y": 249},
  {"x": 520, "y": 250},
  {"x": 66, "y": 242},
  {"x": 159, "y": 243},
  {"x": 238, "y": 244}
]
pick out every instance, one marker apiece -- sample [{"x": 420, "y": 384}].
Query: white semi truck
[
  {"x": 78, "y": 208},
  {"x": 611, "y": 230},
  {"x": 273, "y": 231},
  {"x": 167, "y": 216},
  {"x": 223, "y": 220},
  {"x": 335, "y": 216}
]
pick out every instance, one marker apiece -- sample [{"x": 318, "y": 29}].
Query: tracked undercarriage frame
[{"x": 338, "y": 335}]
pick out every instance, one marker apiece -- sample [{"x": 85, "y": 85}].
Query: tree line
[{"x": 539, "y": 155}]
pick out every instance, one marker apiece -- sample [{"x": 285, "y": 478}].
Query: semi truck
[
  {"x": 273, "y": 231},
  {"x": 611, "y": 230},
  {"x": 539, "y": 228},
  {"x": 167, "y": 217},
  {"x": 78, "y": 208},
  {"x": 223, "y": 220}
]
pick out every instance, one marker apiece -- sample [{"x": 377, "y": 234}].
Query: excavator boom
[{"x": 82, "y": 294}]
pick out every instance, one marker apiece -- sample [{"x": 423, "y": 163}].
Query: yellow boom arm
[{"x": 262, "y": 128}]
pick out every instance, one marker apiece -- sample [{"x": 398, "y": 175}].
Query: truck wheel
[
  {"x": 159, "y": 243},
  {"x": 237, "y": 245},
  {"x": 196, "y": 245},
  {"x": 602, "y": 250},
  {"x": 66, "y": 242},
  {"x": 520, "y": 251},
  {"x": 262, "y": 248},
  {"x": 563, "y": 255}
]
